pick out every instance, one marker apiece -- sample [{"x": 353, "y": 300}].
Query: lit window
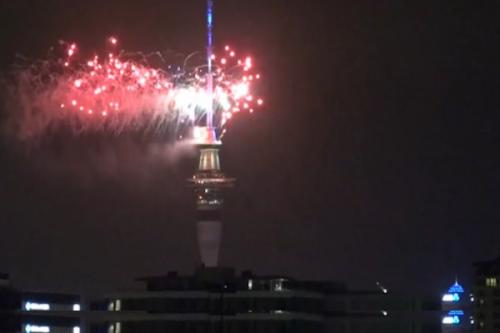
[
  {"x": 250, "y": 284},
  {"x": 491, "y": 282},
  {"x": 76, "y": 329},
  {"x": 30, "y": 306},
  {"x": 36, "y": 329},
  {"x": 76, "y": 307},
  {"x": 118, "y": 305},
  {"x": 277, "y": 285}
]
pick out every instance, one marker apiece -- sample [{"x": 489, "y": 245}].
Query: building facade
[
  {"x": 457, "y": 310},
  {"x": 37, "y": 312},
  {"x": 381, "y": 311},
  {"x": 218, "y": 300},
  {"x": 486, "y": 291},
  {"x": 214, "y": 300}
]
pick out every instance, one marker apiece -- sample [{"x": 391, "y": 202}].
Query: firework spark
[{"x": 118, "y": 92}]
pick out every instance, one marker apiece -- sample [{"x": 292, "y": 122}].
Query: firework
[{"x": 117, "y": 92}]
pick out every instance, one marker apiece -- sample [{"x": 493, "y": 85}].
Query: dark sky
[{"x": 375, "y": 159}]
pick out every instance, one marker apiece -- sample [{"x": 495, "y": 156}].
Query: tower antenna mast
[{"x": 210, "y": 88}]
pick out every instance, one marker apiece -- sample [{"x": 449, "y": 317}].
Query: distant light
[
  {"x": 76, "y": 329},
  {"x": 451, "y": 320},
  {"x": 455, "y": 288},
  {"x": 113, "y": 40},
  {"x": 118, "y": 305},
  {"x": 30, "y": 306},
  {"x": 491, "y": 282},
  {"x": 451, "y": 298},
  {"x": 76, "y": 307},
  {"x": 381, "y": 287},
  {"x": 455, "y": 313},
  {"x": 385, "y": 313},
  {"x": 36, "y": 329},
  {"x": 250, "y": 284}
]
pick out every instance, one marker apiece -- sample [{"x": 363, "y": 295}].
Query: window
[
  {"x": 277, "y": 284},
  {"x": 118, "y": 305},
  {"x": 491, "y": 282}
]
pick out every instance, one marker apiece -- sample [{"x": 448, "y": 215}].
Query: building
[
  {"x": 381, "y": 311},
  {"x": 219, "y": 300},
  {"x": 216, "y": 300},
  {"x": 486, "y": 291},
  {"x": 457, "y": 314},
  {"x": 37, "y": 312}
]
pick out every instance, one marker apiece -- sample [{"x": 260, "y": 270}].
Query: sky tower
[{"x": 208, "y": 181}]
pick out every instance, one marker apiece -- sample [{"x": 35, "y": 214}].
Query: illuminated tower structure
[
  {"x": 209, "y": 185},
  {"x": 208, "y": 181}
]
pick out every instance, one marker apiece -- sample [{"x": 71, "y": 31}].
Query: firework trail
[{"x": 120, "y": 92}]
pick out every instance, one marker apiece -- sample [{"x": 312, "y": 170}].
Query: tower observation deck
[{"x": 209, "y": 184}]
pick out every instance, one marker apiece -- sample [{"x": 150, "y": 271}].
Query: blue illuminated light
[
  {"x": 456, "y": 288},
  {"x": 455, "y": 313}
]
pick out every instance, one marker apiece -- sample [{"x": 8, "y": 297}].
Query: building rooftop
[
  {"x": 456, "y": 288},
  {"x": 214, "y": 278},
  {"x": 488, "y": 266}
]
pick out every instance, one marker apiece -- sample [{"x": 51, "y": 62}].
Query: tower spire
[{"x": 210, "y": 88}]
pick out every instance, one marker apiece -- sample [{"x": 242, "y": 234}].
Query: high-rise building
[{"x": 487, "y": 296}]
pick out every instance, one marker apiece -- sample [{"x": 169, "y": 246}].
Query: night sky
[{"x": 375, "y": 158}]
